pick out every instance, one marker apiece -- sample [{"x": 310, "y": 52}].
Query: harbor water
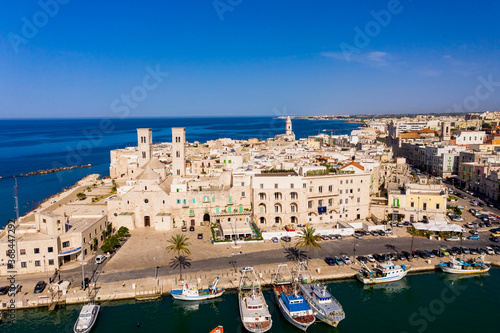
[{"x": 431, "y": 302}]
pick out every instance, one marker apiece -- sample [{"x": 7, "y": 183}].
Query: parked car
[
  {"x": 330, "y": 261},
  {"x": 374, "y": 233},
  {"x": 338, "y": 236},
  {"x": 184, "y": 229},
  {"x": 406, "y": 254},
  {"x": 474, "y": 237},
  {"x": 473, "y": 251},
  {"x": 200, "y": 236},
  {"x": 346, "y": 259},
  {"x": 453, "y": 239},
  {"x": 401, "y": 256},
  {"x": 444, "y": 251},
  {"x": 357, "y": 235},
  {"x": 473, "y": 232},
  {"x": 362, "y": 259},
  {"x": 275, "y": 239},
  {"x": 494, "y": 239},
  {"x": 465, "y": 250},
  {"x": 100, "y": 259},
  {"x": 370, "y": 258},
  {"x": 287, "y": 239},
  {"x": 457, "y": 250},
  {"x": 338, "y": 261},
  {"x": 495, "y": 234},
  {"x": 324, "y": 237},
  {"x": 388, "y": 231},
  {"x": 430, "y": 254},
  {"x": 191, "y": 228},
  {"x": 381, "y": 232},
  {"x": 40, "y": 287},
  {"x": 438, "y": 253},
  {"x": 489, "y": 250}
]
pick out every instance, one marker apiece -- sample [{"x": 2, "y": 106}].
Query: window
[
  {"x": 37, "y": 250},
  {"x": 359, "y": 200},
  {"x": 242, "y": 184},
  {"x": 65, "y": 244},
  {"x": 341, "y": 182},
  {"x": 146, "y": 200},
  {"x": 340, "y": 191},
  {"x": 291, "y": 186},
  {"x": 293, "y": 195},
  {"x": 145, "y": 188},
  {"x": 304, "y": 185},
  {"x": 276, "y": 208},
  {"x": 277, "y": 196},
  {"x": 351, "y": 190},
  {"x": 205, "y": 199},
  {"x": 44, "y": 221},
  {"x": 320, "y": 203},
  {"x": 275, "y": 185},
  {"x": 293, "y": 208},
  {"x": 229, "y": 209},
  {"x": 51, "y": 262},
  {"x": 437, "y": 206},
  {"x": 320, "y": 189},
  {"x": 261, "y": 185},
  {"x": 217, "y": 210},
  {"x": 412, "y": 204},
  {"x": 330, "y": 188},
  {"x": 262, "y": 196},
  {"x": 230, "y": 200},
  {"x": 346, "y": 201},
  {"x": 242, "y": 194},
  {"x": 184, "y": 202},
  {"x": 213, "y": 199},
  {"x": 240, "y": 209},
  {"x": 425, "y": 206},
  {"x": 310, "y": 189},
  {"x": 37, "y": 263},
  {"x": 310, "y": 204},
  {"x": 330, "y": 202},
  {"x": 178, "y": 201},
  {"x": 23, "y": 264},
  {"x": 396, "y": 203},
  {"x": 194, "y": 200},
  {"x": 340, "y": 201},
  {"x": 22, "y": 252}
]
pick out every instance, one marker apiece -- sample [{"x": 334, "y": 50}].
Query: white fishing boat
[
  {"x": 325, "y": 307},
  {"x": 254, "y": 311},
  {"x": 87, "y": 318},
  {"x": 292, "y": 304},
  {"x": 191, "y": 292},
  {"x": 383, "y": 273},
  {"x": 459, "y": 266}
]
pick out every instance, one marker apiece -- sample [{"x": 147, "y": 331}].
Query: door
[
  {"x": 192, "y": 222},
  {"x": 147, "y": 222}
]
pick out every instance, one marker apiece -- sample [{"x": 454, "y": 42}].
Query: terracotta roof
[
  {"x": 426, "y": 130},
  {"x": 356, "y": 164},
  {"x": 409, "y": 135}
]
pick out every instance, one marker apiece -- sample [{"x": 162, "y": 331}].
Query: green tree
[
  {"x": 95, "y": 244},
  {"x": 179, "y": 243},
  {"x": 308, "y": 239},
  {"x": 81, "y": 196},
  {"x": 122, "y": 232}
]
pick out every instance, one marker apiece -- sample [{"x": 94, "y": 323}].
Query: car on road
[
  {"x": 330, "y": 261},
  {"x": 4, "y": 290},
  {"x": 474, "y": 237},
  {"x": 100, "y": 259},
  {"x": 40, "y": 287},
  {"x": 287, "y": 239},
  {"x": 453, "y": 239},
  {"x": 275, "y": 239},
  {"x": 370, "y": 258}
]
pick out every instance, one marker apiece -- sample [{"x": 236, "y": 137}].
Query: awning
[{"x": 70, "y": 252}]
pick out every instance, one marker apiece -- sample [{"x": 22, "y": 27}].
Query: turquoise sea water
[
  {"x": 32, "y": 145},
  {"x": 431, "y": 302}
]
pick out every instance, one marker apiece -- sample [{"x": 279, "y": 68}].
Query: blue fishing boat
[{"x": 290, "y": 301}]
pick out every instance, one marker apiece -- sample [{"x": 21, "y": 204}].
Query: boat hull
[
  {"x": 253, "y": 327},
  {"x": 177, "y": 294},
  {"x": 449, "y": 270},
  {"x": 380, "y": 280},
  {"x": 91, "y": 325},
  {"x": 332, "y": 320},
  {"x": 288, "y": 316}
]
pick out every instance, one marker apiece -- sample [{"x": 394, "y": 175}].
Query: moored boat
[
  {"x": 254, "y": 311},
  {"x": 191, "y": 292},
  {"x": 87, "y": 318},
  {"x": 325, "y": 307},
  {"x": 218, "y": 329},
  {"x": 383, "y": 273},
  {"x": 292, "y": 304},
  {"x": 459, "y": 266}
]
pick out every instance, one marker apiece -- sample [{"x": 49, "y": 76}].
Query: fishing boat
[
  {"x": 191, "y": 292},
  {"x": 254, "y": 311},
  {"x": 87, "y": 318},
  {"x": 325, "y": 307},
  {"x": 383, "y": 273},
  {"x": 460, "y": 266},
  {"x": 290, "y": 301},
  {"x": 218, "y": 329}
]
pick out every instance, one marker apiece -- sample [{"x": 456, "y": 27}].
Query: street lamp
[{"x": 156, "y": 267}]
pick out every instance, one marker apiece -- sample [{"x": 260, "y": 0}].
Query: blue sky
[{"x": 242, "y": 57}]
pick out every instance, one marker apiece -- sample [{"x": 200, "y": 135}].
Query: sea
[
  {"x": 431, "y": 302},
  {"x": 32, "y": 145}
]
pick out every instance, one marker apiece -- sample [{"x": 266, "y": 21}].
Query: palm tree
[
  {"x": 181, "y": 262},
  {"x": 308, "y": 239},
  {"x": 179, "y": 243}
]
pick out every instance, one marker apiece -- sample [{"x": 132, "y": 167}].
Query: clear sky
[{"x": 247, "y": 57}]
